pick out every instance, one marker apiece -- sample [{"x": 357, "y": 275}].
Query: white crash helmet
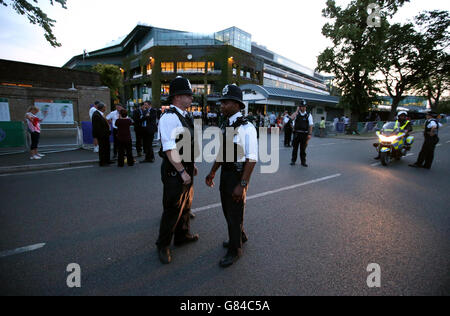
[{"x": 402, "y": 112}]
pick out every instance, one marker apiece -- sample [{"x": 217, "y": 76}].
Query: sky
[{"x": 291, "y": 28}]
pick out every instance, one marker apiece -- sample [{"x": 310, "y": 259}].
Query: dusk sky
[{"x": 287, "y": 27}]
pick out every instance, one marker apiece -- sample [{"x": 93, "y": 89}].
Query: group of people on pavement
[{"x": 118, "y": 124}]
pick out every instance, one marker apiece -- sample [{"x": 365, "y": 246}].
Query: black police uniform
[
  {"x": 288, "y": 133},
  {"x": 177, "y": 197},
  {"x": 301, "y": 132},
  {"x": 426, "y": 155},
  {"x": 230, "y": 178}
]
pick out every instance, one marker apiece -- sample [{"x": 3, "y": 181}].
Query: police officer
[
  {"x": 177, "y": 173},
  {"x": 303, "y": 125},
  {"x": 403, "y": 124},
  {"x": 237, "y": 168},
  {"x": 287, "y": 123},
  {"x": 431, "y": 133}
]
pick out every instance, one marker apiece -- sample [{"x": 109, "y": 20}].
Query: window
[
  {"x": 210, "y": 66},
  {"x": 200, "y": 89},
  {"x": 149, "y": 69},
  {"x": 167, "y": 67},
  {"x": 242, "y": 73},
  {"x": 165, "y": 89},
  {"x": 234, "y": 71},
  {"x": 191, "y": 67}
]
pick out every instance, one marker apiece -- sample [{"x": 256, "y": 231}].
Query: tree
[
  {"x": 413, "y": 58},
  {"x": 355, "y": 53},
  {"x": 110, "y": 76},
  {"x": 36, "y": 16},
  {"x": 434, "y": 27}
]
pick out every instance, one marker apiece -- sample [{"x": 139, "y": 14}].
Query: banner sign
[
  {"x": 55, "y": 111},
  {"x": 4, "y": 110}
]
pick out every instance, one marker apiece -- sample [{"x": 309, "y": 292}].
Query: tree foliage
[
  {"x": 36, "y": 16},
  {"x": 110, "y": 76},
  {"x": 356, "y": 50},
  {"x": 414, "y": 57}
]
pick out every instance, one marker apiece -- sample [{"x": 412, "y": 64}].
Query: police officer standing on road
[
  {"x": 176, "y": 174},
  {"x": 431, "y": 133},
  {"x": 237, "y": 168},
  {"x": 303, "y": 126}
]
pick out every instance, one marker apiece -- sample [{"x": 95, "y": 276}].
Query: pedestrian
[
  {"x": 236, "y": 173},
  {"x": 34, "y": 128},
  {"x": 101, "y": 131},
  {"x": 335, "y": 123},
  {"x": 431, "y": 134},
  {"x": 272, "y": 119},
  {"x": 91, "y": 112},
  {"x": 322, "y": 127},
  {"x": 177, "y": 174},
  {"x": 138, "y": 116},
  {"x": 149, "y": 128},
  {"x": 112, "y": 118},
  {"x": 124, "y": 139},
  {"x": 287, "y": 125},
  {"x": 346, "y": 124},
  {"x": 303, "y": 125}
]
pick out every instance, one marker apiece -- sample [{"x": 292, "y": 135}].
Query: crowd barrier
[{"x": 12, "y": 137}]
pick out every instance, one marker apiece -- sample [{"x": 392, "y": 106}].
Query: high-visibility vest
[{"x": 402, "y": 127}]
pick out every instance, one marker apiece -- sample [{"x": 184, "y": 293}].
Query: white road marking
[
  {"x": 212, "y": 206},
  {"x": 42, "y": 171},
  {"x": 17, "y": 251},
  {"x": 438, "y": 145}
]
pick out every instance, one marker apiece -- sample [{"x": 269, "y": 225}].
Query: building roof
[{"x": 277, "y": 93}]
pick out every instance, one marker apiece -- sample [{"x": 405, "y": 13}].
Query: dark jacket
[
  {"x": 149, "y": 120},
  {"x": 100, "y": 126},
  {"x": 137, "y": 119}
]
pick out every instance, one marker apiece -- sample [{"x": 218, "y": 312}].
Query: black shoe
[
  {"x": 191, "y": 215},
  {"x": 426, "y": 167},
  {"x": 104, "y": 165},
  {"x": 377, "y": 158},
  {"x": 226, "y": 244},
  {"x": 164, "y": 255},
  {"x": 187, "y": 239},
  {"x": 229, "y": 259},
  {"x": 414, "y": 165},
  {"x": 304, "y": 165},
  {"x": 147, "y": 161},
  {"x": 292, "y": 163}
]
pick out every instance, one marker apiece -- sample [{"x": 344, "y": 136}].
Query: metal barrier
[{"x": 56, "y": 138}]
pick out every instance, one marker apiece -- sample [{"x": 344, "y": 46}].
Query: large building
[{"x": 151, "y": 57}]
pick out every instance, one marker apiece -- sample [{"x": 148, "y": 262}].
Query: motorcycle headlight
[{"x": 389, "y": 139}]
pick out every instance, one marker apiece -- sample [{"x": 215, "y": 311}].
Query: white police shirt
[
  {"x": 169, "y": 127},
  {"x": 246, "y": 137}
]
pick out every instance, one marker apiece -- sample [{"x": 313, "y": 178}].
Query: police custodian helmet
[
  {"x": 180, "y": 86},
  {"x": 233, "y": 92}
]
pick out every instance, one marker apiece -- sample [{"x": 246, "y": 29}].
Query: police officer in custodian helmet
[{"x": 177, "y": 171}]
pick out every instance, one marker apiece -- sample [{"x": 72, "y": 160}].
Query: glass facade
[
  {"x": 191, "y": 67},
  {"x": 167, "y": 67},
  {"x": 236, "y": 37}
]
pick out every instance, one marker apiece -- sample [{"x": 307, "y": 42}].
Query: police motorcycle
[{"x": 392, "y": 142}]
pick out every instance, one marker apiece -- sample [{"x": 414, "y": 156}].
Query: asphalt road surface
[{"x": 312, "y": 231}]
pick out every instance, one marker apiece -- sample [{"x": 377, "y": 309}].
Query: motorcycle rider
[{"x": 403, "y": 124}]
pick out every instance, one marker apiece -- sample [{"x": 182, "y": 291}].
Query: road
[{"x": 312, "y": 231}]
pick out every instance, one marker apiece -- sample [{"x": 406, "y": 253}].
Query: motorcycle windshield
[{"x": 389, "y": 129}]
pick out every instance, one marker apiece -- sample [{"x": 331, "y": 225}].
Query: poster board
[
  {"x": 4, "y": 110},
  {"x": 55, "y": 111}
]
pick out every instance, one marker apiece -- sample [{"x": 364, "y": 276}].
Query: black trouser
[
  {"x": 125, "y": 147},
  {"x": 426, "y": 155},
  {"x": 300, "y": 139},
  {"x": 34, "y": 140},
  {"x": 116, "y": 141},
  {"x": 139, "y": 139},
  {"x": 233, "y": 211},
  {"x": 148, "y": 145},
  {"x": 104, "y": 150},
  {"x": 177, "y": 201},
  {"x": 287, "y": 137}
]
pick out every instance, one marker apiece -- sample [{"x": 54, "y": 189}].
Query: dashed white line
[
  {"x": 212, "y": 206},
  {"x": 42, "y": 171},
  {"x": 17, "y": 251}
]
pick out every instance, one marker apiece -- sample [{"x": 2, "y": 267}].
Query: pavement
[{"x": 312, "y": 231}]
